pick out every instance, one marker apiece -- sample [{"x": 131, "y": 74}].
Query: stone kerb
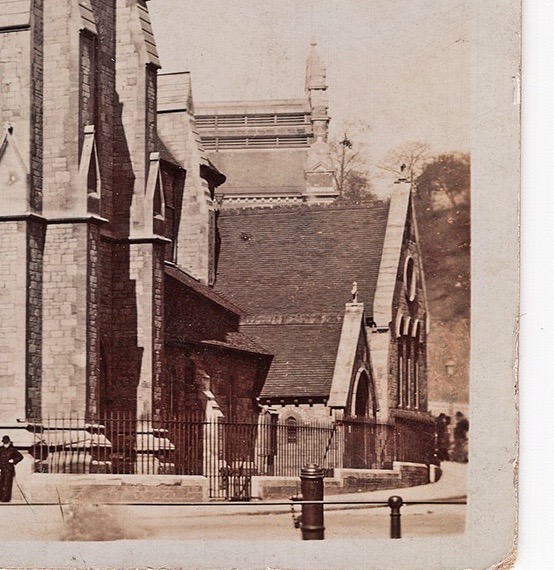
[{"x": 74, "y": 488}]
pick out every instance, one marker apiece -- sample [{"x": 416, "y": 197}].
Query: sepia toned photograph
[{"x": 239, "y": 279}]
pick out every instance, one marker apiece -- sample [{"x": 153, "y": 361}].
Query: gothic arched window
[{"x": 292, "y": 429}]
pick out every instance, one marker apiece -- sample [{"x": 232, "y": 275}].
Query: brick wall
[
  {"x": 235, "y": 375},
  {"x": 94, "y": 275},
  {"x": 61, "y": 109},
  {"x": 146, "y": 268},
  {"x": 36, "y": 126},
  {"x": 305, "y": 413},
  {"x": 15, "y": 83},
  {"x": 192, "y": 317},
  {"x": 104, "y": 13},
  {"x": 136, "y": 89},
  {"x": 64, "y": 349},
  {"x": 35, "y": 251},
  {"x": 122, "y": 353},
  {"x": 415, "y": 310},
  {"x": 158, "y": 327},
  {"x": 15, "y": 109},
  {"x": 13, "y": 245},
  {"x": 234, "y": 381},
  {"x": 196, "y": 236}
]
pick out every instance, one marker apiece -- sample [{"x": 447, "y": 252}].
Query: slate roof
[
  {"x": 286, "y": 266},
  {"x": 201, "y": 289},
  {"x": 304, "y": 358},
  {"x": 300, "y": 259},
  {"x": 238, "y": 341}
]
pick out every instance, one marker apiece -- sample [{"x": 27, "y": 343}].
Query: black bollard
[
  {"x": 311, "y": 484},
  {"x": 395, "y": 502}
]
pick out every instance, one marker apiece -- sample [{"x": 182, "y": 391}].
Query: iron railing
[{"x": 228, "y": 453}]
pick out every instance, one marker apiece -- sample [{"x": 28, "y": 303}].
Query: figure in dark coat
[
  {"x": 9, "y": 458},
  {"x": 460, "y": 438},
  {"x": 443, "y": 437}
]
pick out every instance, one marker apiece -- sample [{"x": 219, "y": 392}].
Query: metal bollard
[
  {"x": 311, "y": 485},
  {"x": 395, "y": 502}
]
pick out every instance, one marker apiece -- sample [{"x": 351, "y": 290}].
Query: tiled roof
[
  {"x": 201, "y": 289},
  {"x": 300, "y": 259},
  {"x": 304, "y": 358},
  {"x": 297, "y": 263},
  {"x": 238, "y": 341}
]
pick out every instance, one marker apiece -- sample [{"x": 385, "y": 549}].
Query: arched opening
[
  {"x": 416, "y": 342},
  {"x": 362, "y": 397},
  {"x": 292, "y": 429},
  {"x": 364, "y": 404},
  {"x": 401, "y": 361},
  {"x": 361, "y": 433}
]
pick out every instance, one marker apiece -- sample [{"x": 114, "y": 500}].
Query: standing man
[
  {"x": 9, "y": 458},
  {"x": 460, "y": 438}
]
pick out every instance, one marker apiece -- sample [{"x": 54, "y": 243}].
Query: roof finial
[
  {"x": 316, "y": 74},
  {"x": 354, "y": 292}
]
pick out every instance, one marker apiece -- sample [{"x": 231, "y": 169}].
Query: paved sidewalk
[{"x": 235, "y": 520}]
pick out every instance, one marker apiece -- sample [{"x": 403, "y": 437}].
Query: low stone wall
[
  {"x": 349, "y": 481},
  {"x": 105, "y": 488},
  {"x": 73, "y": 488}
]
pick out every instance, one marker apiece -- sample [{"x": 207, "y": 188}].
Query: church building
[
  {"x": 108, "y": 235},
  {"x": 337, "y": 294},
  {"x": 162, "y": 260}
]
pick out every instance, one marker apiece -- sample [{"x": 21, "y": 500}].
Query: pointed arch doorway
[{"x": 361, "y": 427}]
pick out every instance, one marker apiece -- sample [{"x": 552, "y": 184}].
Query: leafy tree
[{"x": 445, "y": 176}]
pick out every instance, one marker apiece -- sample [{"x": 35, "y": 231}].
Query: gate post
[
  {"x": 395, "y": 502},
  {"x": 311, "y": 485}
]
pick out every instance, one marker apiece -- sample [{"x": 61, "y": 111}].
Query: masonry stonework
[
  {"x": 35, "y": 253},
  {"x": 64, "y": 339},
  {"x": 13, "y": 285}
]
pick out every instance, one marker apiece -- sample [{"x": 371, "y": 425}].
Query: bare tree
[
  {"x": 351, "y": 173},
  {"x": 406, "y": 160}
]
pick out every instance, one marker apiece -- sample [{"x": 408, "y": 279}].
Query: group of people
[{"x": 447, "y": 450}]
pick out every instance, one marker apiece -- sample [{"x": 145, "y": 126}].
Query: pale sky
[{"x": 401, "y": 67}]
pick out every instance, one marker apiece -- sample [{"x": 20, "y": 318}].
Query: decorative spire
[{"x": 316, "y": 74}]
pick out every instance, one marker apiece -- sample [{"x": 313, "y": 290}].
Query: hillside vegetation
[
  {"x": 442, "y": 205},
  {"x": 445, "y": 244}
]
